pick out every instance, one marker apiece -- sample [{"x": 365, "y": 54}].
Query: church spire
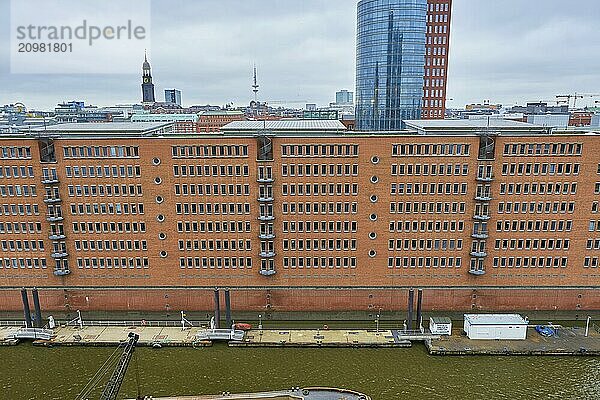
[{"x": 147, "y": 85}]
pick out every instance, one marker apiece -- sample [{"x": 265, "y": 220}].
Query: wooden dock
[
  {"x": 320, "y": 338},
  {"x": 114, "y": 335},
  {"x": 5, "y": 335},
  {"x": 567, "y": 342}
]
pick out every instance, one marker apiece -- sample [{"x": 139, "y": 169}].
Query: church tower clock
[{"x": 147, "y": 85}]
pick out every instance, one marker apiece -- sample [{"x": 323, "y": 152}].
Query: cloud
[{"x": 509, "y": 51}]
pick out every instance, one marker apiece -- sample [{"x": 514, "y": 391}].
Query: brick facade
[{"x": 364, "y": 246}]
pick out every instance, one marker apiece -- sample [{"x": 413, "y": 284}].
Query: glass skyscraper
[{"x": 390, "y": 62}]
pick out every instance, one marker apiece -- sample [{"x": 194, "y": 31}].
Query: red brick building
[
  {"x": 212, "y": 121},
  {"x": 439, "y": 14},
  {"x": 304, "y": 218}
]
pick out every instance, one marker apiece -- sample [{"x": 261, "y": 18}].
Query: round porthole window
[
  {"x": 160, "y": 218},
  {"x": 374, "y": 198},
  {"x": 372, "y": 253},
  {"x": 156, "y": 161},
  {"x": 373, "y": 217},
  {"x": 372, "y": 235},
  {"x": 375, "y": 160},
  {"x": 158, "y": 180},
  {"x": 163, "y": 254},
  {"x": 159, "y": 199},
  {"x": 162, "y": 236},
  {"x": 374, "y": 179}
]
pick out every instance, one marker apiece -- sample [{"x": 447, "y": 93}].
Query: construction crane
[
  {"x": 566, "y": 98},
  {"x": 111, "y": 390},
  {"x": 113, "y": 386}
]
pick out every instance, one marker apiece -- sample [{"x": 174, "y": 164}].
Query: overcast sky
[{"x": 508, "y": 51}]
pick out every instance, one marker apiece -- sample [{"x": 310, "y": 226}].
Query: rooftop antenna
[{"x": 255, "y": 86}]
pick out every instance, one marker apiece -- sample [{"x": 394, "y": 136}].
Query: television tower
[{"x": 255, "y": 86}]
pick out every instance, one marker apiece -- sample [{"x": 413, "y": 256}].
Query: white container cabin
[
  {"x": 440, "y": 325},
  {"x": 495, "y": 326}
]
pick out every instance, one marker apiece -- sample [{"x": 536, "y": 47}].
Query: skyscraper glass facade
[{"x": 390, "y": 62}]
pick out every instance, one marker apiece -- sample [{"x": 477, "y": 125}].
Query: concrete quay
[
  {"x": 567, "y": 342},
  {"x": 114, "y": 335},
  {"x": 6, "y": 334},
  {"x": 321, "y": 338}
]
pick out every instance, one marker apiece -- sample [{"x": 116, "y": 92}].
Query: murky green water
[{"x": 28, "y": 372}]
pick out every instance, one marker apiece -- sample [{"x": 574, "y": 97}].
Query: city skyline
[{"x": 508, "y": 53}]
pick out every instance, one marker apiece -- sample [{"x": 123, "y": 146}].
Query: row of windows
[
  {"x": 319, "y": 170},
  {"x": 427, "y": 226},
  {"x": 6, "y": 263},
  {"x": 428, "y": 188},
  {"x": 319, "y": 226},
  {"x": 428, "y": 208},
  {"x": 319, "y": 262},
  {"x": 101, "y": 245},
  {"x": 437, "y": 7},
  {"x": 594, "y": 226},
  {"x": 115, "y": 262},
  {"x": 19, "y": 209},
  {"x": 316, "y": 189},
  {"x": 540, "y": 168},
  {"x": 548, "y": 149},
  {"x": 215, "y": 190},
  {"x": 107, "y": 208},
  {"x": 593, "y": 244},
  {"x": 20, "y": 227},
  {"x": 104, "y": 190},
  {"x": 429, "y": 169},
  {"x": 22, "y": 245},
  {"x": 109, "y": 227},
  {"x": 103, "y": 171},
  {"x": 15, "y": 152},
  {"x": 590, "y": 262},
  {"x": 101, "y": 151},
  {"x": 431, "y": 149},
  {"x": 319, "y": 150},
  {"x": 538, "y": 188},
  {"x": 211, "y": 170},
  {"x": 18, "y": 190},
  {"x": 320, "y": 208},
  {"x": 16, "y": 172},
  {"x": 425, "y": 244},
  {"x": 532, "y": 244},
  {"x": 212, "y": 208},
  {"x": 213, "y": 226},
  {"x": 217, "y": 244},
  {"x": 536, "y": 207},
  {"x": 537, "y": 226},
  {"x": 215, "y": 262},
  {"x": 319, "y": 244},
  {"x": 205, "y": 151},
  {"x": 530, "y": 262},
  {"x": 427, "y": 262}
]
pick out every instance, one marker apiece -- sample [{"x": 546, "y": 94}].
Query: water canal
[{"x": 30, "y": 372}]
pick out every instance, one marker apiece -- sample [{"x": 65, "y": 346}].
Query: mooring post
[
  {"x": 38, "y": 310},
  {"x": 228, "y": 308},
  {"x": 419, "y": 309},
  {"x": 217, "y": 310},
  {"x": 26, "y": 309},
  {"x": 411, "y": 301}
]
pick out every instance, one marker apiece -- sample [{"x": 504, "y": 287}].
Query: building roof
[
  {"x": 440, "y": 320},
  {"x": 92, "y": 129},
  {"x": 495, "y": 319},
  {"x": 145, "y": 117},
  {"x": 440, "y": 126},
  {"x": 286, "y": 125}
]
